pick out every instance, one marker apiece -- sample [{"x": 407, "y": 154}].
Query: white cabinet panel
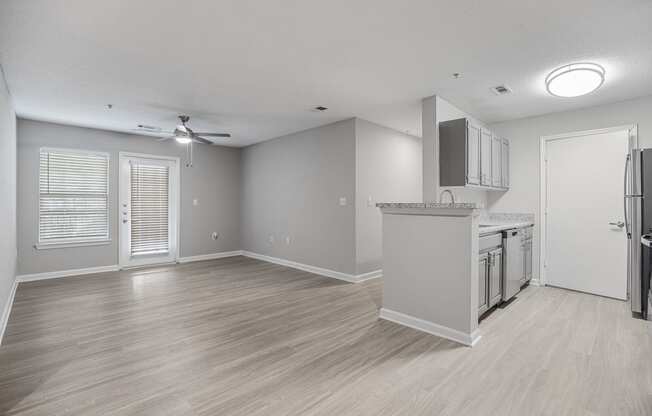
[
  {"x": 485, "y": 158},
  {"x": 483, "y": 283},
  {"x": 505, "y": 163},
  {"x": 473, "y": 154},
  {"x": 496, "y": 162},
  {"x": 495, "y": 276}
]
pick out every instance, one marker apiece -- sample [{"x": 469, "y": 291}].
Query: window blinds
[
  {"x": 149, "y": 209},
  {"x": 73, "y": 197}
]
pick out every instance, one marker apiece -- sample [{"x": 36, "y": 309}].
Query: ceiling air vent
[{"x": 501, "y": 90}]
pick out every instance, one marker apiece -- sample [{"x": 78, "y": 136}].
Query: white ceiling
[{"x": 256, "y": 68}]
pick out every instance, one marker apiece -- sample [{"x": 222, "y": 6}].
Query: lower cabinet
[
  {"x": 527, "y": 261},
  {"x": 526, "y": 250},
  {"x": 490, "y": 279},
  {"x": 495, "y": 276},
  {"x": 483, "y": 280}
]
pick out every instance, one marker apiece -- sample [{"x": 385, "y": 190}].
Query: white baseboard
[
  {"x": 351, "y": 278},
  {"x": 211, "y": 256},
  {"x": 369, "y": 275},
  {"x": 113, "y": 268},
  {"x": 431, "y": 328},
  {"x": 7, "y": 310},
  {"x": 66, "y": 273}
]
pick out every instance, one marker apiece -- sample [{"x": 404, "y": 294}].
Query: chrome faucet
[{"x": 449, "y": 192}]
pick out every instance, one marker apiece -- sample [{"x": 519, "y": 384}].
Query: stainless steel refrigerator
[{"x": 638, "y": 220}]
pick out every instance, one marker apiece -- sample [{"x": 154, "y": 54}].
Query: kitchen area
[
  {"x": 446, "y": 265},
  {"x": 476, "y": 239}
]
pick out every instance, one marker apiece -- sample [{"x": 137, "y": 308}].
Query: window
[{"x": 73, "y": 197}]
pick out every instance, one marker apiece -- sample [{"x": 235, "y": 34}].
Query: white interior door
[
  {"x": 586, "y": 244},
  {"x": 148, "y": 215}
]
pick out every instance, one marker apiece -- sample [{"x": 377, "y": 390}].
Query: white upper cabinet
[
  {"x": 473, "y": 169},
  {"x": 472, "y": 156},
  {"x": 496, "y": 162},
  {"x": 485, "y": 158},
  {"x": 505, "y": 164}
]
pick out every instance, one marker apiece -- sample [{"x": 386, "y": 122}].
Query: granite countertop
[
  {"x": 462, "y": 205},
  {"x": 504, "y": 221},
  {"x": 495, "y": 228},
  {"x": 490, "y": 223}
]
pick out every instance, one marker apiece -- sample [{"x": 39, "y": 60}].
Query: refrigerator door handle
[{"x": 625, "y": 194}]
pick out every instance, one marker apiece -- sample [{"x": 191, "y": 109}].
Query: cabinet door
[
  {"x": 496, "y": 162},
  {"x": 483, "y": 277},
  {"x": 505, "y": 163},
  {"x": 485, "y": 158},
  {"x": 472, "y": 154},
  {"x": 527, "y": 261},
  {"x": 495, "y": 276},
  {"x": 523, "y": 266}
]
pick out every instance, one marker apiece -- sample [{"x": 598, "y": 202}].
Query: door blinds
[{"x": 149, "y": 209}]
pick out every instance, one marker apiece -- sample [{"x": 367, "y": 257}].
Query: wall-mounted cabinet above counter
[{"x": 472, "y": 156}]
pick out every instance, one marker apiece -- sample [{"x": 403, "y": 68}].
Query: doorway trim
[
  {"x": 543, "y": 182},
  {"x": 176, "y": 204}
]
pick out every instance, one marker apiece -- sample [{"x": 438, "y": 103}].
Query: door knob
[{"x": 618, "y": 224}]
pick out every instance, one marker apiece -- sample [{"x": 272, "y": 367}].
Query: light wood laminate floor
[{"x": 238, "y": 336}]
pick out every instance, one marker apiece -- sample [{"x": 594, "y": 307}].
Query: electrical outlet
[
  {"x": 271, "y": 239},
  {"x": 287, "y": 240},
  {"x": 215, "y": 235},
  {"x": 342, "y": 201},
  {"x": 370, "y": 201},
  {"x": 195, "y": 202}
]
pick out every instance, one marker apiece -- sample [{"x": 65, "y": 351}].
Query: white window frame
[{"x": 78, "y": 242}]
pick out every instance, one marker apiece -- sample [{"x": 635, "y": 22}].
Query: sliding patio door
[{"x": 149, "y": 210}]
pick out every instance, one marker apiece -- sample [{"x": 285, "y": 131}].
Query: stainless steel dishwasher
[{"x": 513, "y": 263}]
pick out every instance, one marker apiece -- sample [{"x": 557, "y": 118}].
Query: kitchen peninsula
[{"x": 431, "y": 266}]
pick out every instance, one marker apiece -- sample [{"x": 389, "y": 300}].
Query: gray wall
[
  {"x": 388, "y": 169},
  {"x": 291, "y": 187},
  {"x": 524, "y": 135},
  {"x": 8, "y": 193},
  {"x": 214, "y": 180}
]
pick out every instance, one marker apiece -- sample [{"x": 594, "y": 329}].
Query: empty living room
[{"x": 220, "y": 207}]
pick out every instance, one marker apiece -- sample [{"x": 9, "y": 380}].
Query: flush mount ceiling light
[{"x": 574, "y": 80}]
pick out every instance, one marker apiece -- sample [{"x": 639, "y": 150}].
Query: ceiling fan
[{"x": 185, "y": 135}]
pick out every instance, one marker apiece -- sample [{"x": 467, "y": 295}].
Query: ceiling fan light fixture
[
  {"x": 183, "y": 139},
  {"x": 574, "y": 80}
]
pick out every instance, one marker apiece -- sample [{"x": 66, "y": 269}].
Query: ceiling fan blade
[
  {"x": 214, "y": 134},
  {"x": 201, "y": 139},
  {"x": 147, "y": 132}
]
